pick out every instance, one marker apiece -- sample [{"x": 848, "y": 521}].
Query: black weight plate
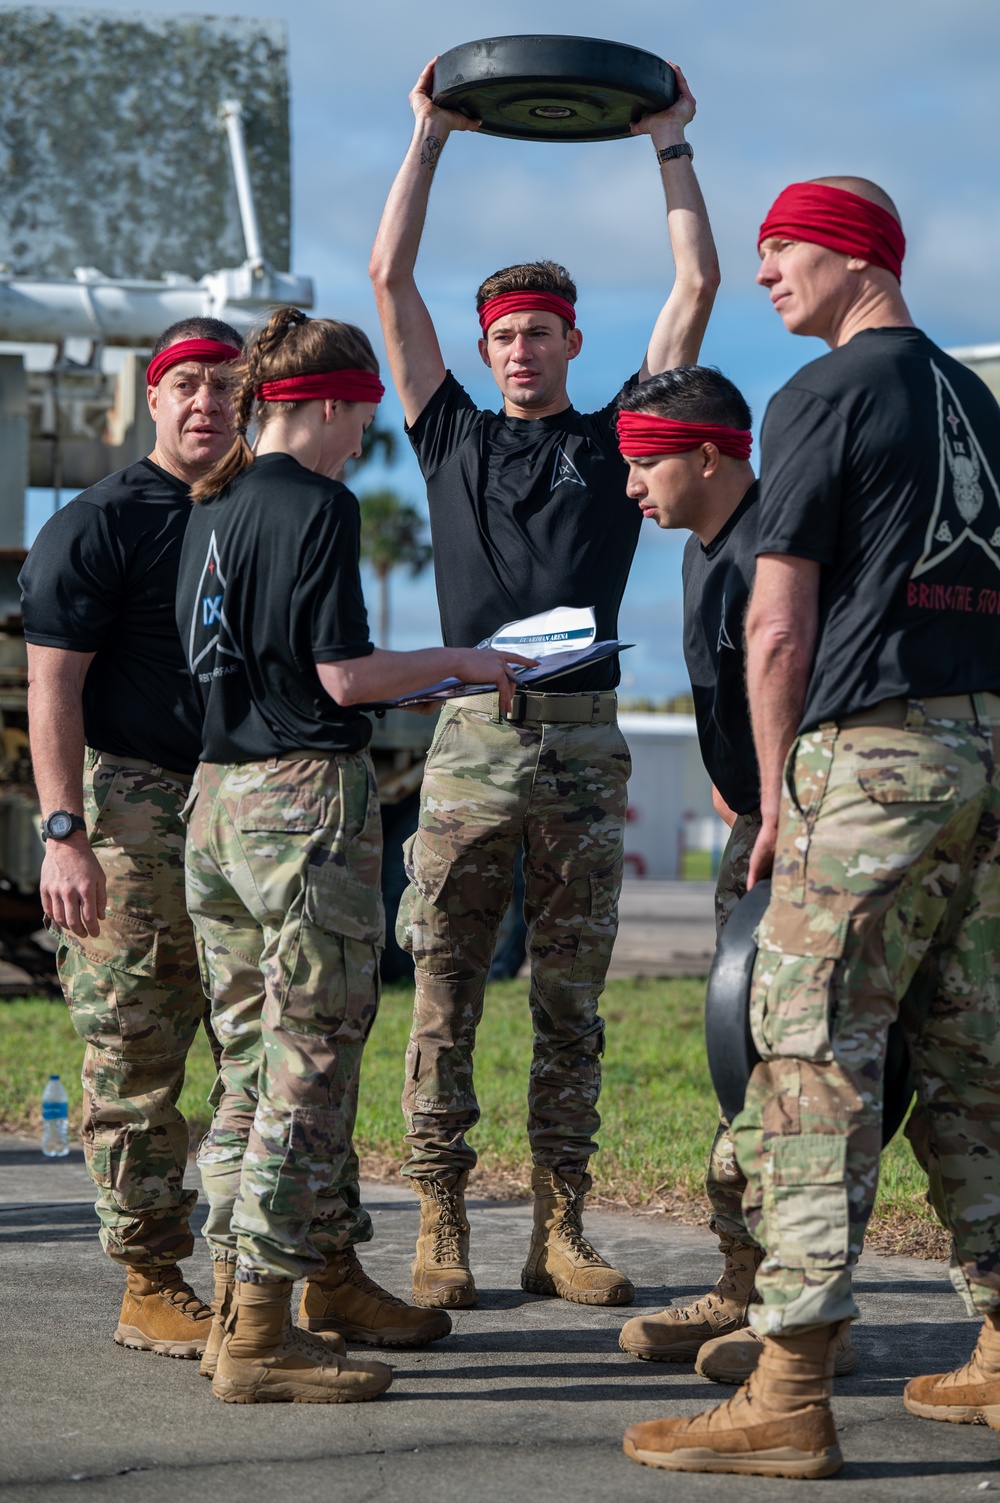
[
  {"x": 551, "y": 88},
  {"x": 732, "y": 1052}
]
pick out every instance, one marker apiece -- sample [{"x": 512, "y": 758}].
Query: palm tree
[
  {"x": 376, "y": 443},
  {"x": 391, "y": 537}
]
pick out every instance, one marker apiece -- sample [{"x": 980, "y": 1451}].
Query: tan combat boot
[
  {"x": 342, "y": 1298},
  {"x": 560, "y": 1259},
  {"x": 732, "y": 1358},
  {"x": 679, "y": 1335},
  {"x": 441, "y": 1273},
  {"x": 225, "y": 1278},
  {"x": 779, "y": 1424},
  {"x": 264, "y": 1359},
  {"x": 162, "y": 1314},
  {"x": 968, "y": 1396}
]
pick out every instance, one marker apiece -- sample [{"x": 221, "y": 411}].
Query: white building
[{"x": 669, "y": 797}]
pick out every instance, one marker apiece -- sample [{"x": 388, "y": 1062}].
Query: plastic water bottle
[{"x": 55, "y": 1119}]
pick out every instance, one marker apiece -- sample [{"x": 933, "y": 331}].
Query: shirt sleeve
[
  {"x": 328, "y": 607},
  {"x": 442, "y": 428},
  {"x": 606, "y": 418},
  {"x": 73, "y": 581},
  {"x": 802, "y": 446}
]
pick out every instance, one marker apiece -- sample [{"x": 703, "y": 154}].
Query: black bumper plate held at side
[{"x": 732, "y": 1053}]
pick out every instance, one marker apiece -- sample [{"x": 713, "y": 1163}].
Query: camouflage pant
[
  {"x": 885, "y": 900},
  {"x": 134, "y": 997},
  {"x": 283, "y": 862},
  {"x": 489, "y": 786},
  {"x": 724, "y": 1181}
]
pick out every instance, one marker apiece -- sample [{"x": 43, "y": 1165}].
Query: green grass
[
  {"x": 657, "y": 1103},
  {"x": 699, "y": 866}
]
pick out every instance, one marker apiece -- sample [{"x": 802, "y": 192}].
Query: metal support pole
[{"x": 232, "y": 114}]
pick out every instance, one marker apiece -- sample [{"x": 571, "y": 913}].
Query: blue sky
[{"x": 905, "y": 93}]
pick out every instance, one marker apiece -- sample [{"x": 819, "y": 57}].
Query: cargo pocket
[
  {"x": 277, "y": 811},
  {"x": 110, "y": 982},
  {"x": 333, "y": 989},
  {"x": 805, "y": 1182},
  {"x": 600, "y": 920},
  {"x": 339, "y": 905},
  {"x": 909, "y": 783},
  {"x": 799, "y": 948},
  {"x": 425, "y": 868},
  {"x": 315, "y": 1146}
]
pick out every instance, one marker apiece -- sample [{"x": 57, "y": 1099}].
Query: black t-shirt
[
  {"x": 717, "y": 584},
  {"x": 101, "y": 577},
  {"x": 269, "y": 586},
  {"x": 526, "y": 514},
  {"x": 881, "y": 461}
]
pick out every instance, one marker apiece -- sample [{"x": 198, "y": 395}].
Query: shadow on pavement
[
  {"x": 47, "y": 1223},
  {"x": 9, "y": 1156}
]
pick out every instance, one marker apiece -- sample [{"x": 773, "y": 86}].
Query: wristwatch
[
  {"x": 667, "y": 153},
  {"x": 61, "y": 825}
]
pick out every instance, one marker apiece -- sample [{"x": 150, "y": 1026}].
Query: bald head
[{"x": 864, "y": 189}]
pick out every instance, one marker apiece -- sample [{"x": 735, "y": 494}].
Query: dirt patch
[{"x": 915, "y": 1236}]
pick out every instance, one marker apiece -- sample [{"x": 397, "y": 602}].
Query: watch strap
[
  {"x": 680, "y": 149},
  {"x": 76, "y": 823}
]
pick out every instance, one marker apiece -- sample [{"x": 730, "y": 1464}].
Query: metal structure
[{"x": 133, "y": 154}]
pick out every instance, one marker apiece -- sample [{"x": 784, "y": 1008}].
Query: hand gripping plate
[
  {"x": 732, "y": 1053},
  {"x": 552, "y": 88}
]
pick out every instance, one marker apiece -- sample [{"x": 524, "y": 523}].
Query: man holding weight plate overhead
[{"x": 528, "y": 511}]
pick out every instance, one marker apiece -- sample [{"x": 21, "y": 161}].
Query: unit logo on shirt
[
  {"x": 724, "y": 638},
  {"x": 967, "y": 503},
  {"x": 565, "y": 472},
  {"x": 210, "y": 630}
]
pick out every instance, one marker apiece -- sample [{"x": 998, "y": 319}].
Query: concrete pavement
[
  {"x": 526, "y": 1400},
  {"x": 665, "y": 929}
]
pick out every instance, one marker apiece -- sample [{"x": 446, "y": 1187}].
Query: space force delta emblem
[
  {"x": 210, "y": 637},
  {"x": 967, "y": 501},
  {"x": 565, "y": 472}
]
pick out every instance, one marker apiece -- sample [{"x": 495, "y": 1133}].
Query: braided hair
[{"x": 288, "y": 344}]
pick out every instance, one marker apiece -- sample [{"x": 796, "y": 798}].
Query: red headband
[
  {"x": 513, "y": 302},
  {"x": 642, "y": 433},
  {"x": 840, "y": 220},
  {"x": 342, "y": 385},
  {"x": 203, "y": 351}
]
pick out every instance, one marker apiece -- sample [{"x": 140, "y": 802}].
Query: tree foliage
[{"x": 392, "y": 537}]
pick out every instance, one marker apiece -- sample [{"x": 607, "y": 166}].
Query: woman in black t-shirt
[{"x": 283, "y": 857}]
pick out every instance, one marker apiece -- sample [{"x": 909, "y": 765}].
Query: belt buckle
[{"x": 518, "y": 708}]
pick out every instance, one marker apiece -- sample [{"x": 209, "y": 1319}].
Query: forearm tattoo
[{"x": 430, "y": 151}]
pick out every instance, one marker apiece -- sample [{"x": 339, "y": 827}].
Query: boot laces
[
  {"x": 183, "y": 1296},
  {"x": 569, "y": 1228},
  {"x": 357, "y": 1276},
  {"x": 449, "y": 1228}
]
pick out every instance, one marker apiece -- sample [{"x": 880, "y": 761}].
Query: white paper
[
  {"x": 561, "y": 639},
  {"x": 560, "y": 630}
]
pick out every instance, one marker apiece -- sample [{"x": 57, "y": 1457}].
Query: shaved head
[{"x": 864, "y": 188}]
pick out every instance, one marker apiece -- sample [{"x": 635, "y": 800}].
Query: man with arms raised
[
  {"x": 528, "y": 511},
  {"x": 873, "y": 668},
  {"x": 115, "y": 737}
]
